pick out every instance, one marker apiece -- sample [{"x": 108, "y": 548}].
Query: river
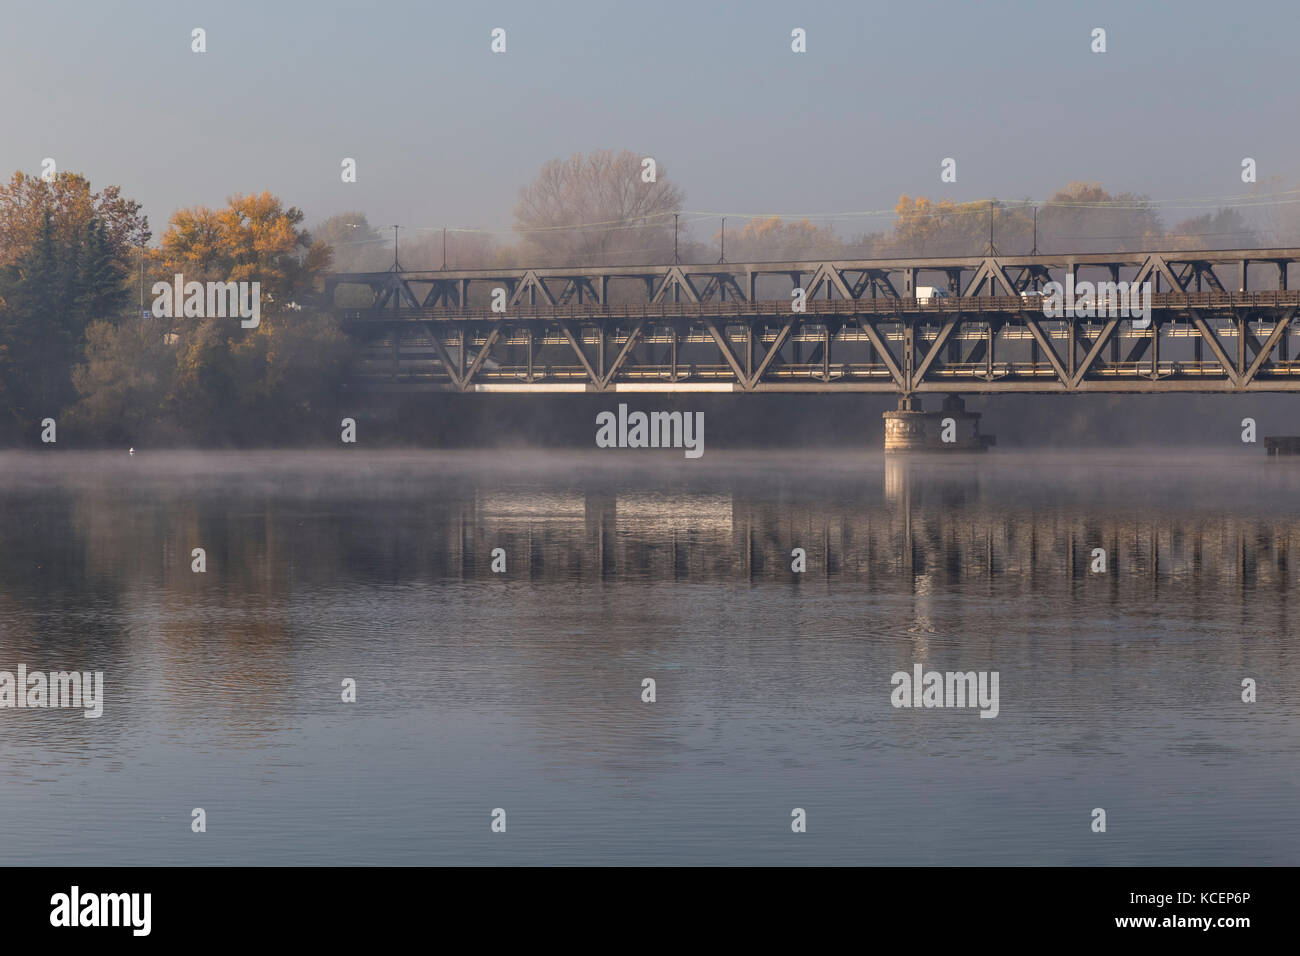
[{"x": 522, "y": 690}]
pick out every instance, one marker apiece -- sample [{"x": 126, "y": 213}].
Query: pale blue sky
[{"x": 445, "y": 132}]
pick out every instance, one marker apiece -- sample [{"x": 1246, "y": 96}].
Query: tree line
[
  {"x": 598, "y": 210},
  {"x": 79, "y": 342}
]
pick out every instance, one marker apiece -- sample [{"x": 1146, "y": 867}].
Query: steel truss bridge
[{"x": 1221, "y": 321}]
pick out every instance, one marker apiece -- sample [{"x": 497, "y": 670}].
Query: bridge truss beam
[{"x": 862, "y": 326}]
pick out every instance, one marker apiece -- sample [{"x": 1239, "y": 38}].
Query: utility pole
[
  {"x": 676, "y": 260},
  {"x": 396, "y": 265},
  {"x": 723, "y": 257},
  {"x": 444, "y": 248},
  {"x": 992, "y": 249},
  {"x": 1034, "y": 251}
]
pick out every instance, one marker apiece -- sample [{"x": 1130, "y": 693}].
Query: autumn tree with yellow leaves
[
  {"x": 216, "y": 380},
  {"x": 1082, "y": 217}
]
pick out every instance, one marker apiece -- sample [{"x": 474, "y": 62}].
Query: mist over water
[{"x": 521, "y": 690}]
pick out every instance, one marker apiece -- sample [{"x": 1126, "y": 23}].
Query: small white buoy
[{"x": 131, "y": 452}]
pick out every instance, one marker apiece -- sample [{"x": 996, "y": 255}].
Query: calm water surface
[{"x": 522, "y": 690}]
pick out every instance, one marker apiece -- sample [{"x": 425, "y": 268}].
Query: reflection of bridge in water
[
  {"x": 924, "y": 531},
  {"x": 1021, "y": 526},
  {"x": 1220, "y": 322}
]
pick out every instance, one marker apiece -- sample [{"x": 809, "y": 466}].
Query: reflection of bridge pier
[
  {"x": 910, "y": 490},
  {"x": 601, "y": 525}
]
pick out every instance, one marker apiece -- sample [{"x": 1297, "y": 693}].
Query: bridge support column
[{"x": 911, "y": 429}]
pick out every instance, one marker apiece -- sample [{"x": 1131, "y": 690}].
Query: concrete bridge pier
[{"x": 951, "y": 429}]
